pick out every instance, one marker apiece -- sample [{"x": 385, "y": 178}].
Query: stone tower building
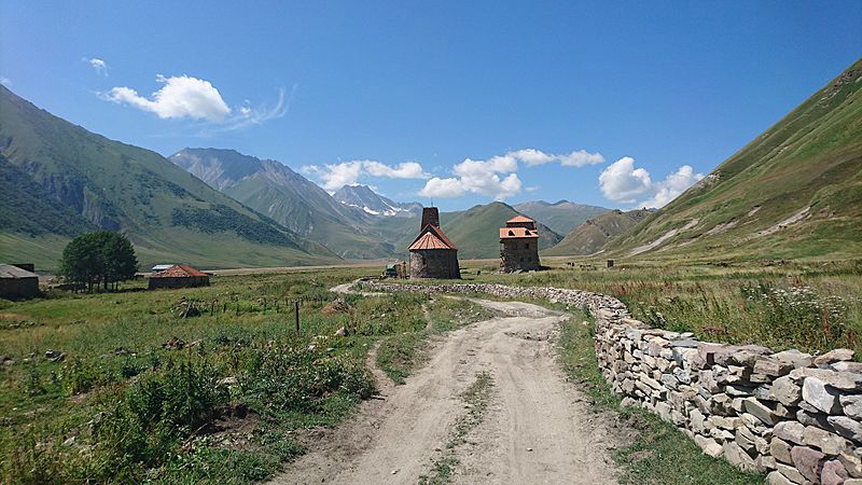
[
  {"x": 432, "y": 254},
  {"x": 519, "y": 245}
]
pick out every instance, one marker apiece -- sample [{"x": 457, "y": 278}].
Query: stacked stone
[{"x": 792, "y": 415}]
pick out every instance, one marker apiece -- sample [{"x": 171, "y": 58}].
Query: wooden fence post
[{"x": 296, "y": 314}]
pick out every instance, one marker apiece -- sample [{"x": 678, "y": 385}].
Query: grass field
[
  {"x": 117, "y": 388},
  {"x": 128, "y": 403}
]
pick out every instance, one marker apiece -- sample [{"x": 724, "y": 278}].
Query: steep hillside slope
[
  {"x": 592, "y": 235},
  {"x": 273, "y": 189},
  {"x": 562, "y": 217},
  {"x": 475, "y": 231},
  {"x": 169, "y": 214},
  {"x": 362, "y": 197},
  {"x": 795, "y": 191}
]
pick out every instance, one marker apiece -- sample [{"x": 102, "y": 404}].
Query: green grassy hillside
[
  {"x": 169, "y": 214},
  {"x": 563, "y": 216},
  {"x": 476, "y": 231},
  {"x": 592, "y": 235},
  {"x": 795, "y": 191}
]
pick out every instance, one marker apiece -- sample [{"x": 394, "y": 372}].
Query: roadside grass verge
[
  {"x": 658, "y": 453},
  {"x": 476, "y": 399},
  {"x": 400, "y": 354}
]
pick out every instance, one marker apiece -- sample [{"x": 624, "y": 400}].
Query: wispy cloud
[
  {"x": 5, "y": 81},
  {"x": 187, "y": 97},
  {"x": 99, "y": 65}
]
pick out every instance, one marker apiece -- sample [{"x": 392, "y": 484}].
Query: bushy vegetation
[{"x": 114, "y": 388}]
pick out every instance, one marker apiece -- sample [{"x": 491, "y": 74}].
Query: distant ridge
[
  {"x": 272, "y": 188},
  {"x": 362, "y": 197},
  {"x": 562, "y": 216},
  {"x": 591, "y": 236}
]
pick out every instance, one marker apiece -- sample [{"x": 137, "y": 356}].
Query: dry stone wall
[{"x": 795, "y": 416}]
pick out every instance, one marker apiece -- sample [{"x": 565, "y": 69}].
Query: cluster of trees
[{"x": 99, "y": 258}]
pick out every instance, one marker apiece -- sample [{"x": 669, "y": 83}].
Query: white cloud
[
  {"x": 578, "y": 158},
  {"x": 180, "y": 97},
  {"x": 675, "y": 184},
  {"x": 5, "y": 81},
  {"x": 337, "y": 175},
  {"x": 496, "y": 176},
  {"x": 99, "y": 65},
  {"x": 622, "y": 182},
  {"x": 478, "y": 177},
  {"x": 404, "y": 170}
]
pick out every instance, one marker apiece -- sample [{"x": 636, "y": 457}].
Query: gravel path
[{"x": 536, "y": 429}]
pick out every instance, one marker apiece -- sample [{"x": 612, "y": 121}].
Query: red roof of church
[
  {"x": 520, "y": 218},
  {"x": 179, "y": 271},
  {"x": 517, "y": 232},
  {"x": 431, "y": 237}
]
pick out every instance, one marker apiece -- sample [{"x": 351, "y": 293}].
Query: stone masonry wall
[{"x": 795, "y": 416}]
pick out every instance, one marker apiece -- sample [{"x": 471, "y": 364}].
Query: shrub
[{"x": 298, "y": 379}]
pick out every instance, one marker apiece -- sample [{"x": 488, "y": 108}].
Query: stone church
[
  {"x": 432, "y": 254},
  {"x": 519, "y": 245}
]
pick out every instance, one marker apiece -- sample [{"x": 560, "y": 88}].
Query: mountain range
[
  {"x": 272, "y": 188},
  {"x": 794, "y": 191},
  {"x": 79, "y": 181},
  {"x": 562, "y": 216},
  {"x": 364, "y": 198}
]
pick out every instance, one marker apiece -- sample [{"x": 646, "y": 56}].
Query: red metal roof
[
  {"x": 520, "y": 218},
  {"x": 431, "y": 237},
  {"x": 517, "y": 233},
  {"x": 179, "y": 271}
]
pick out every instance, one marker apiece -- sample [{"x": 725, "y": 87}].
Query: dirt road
[{"x": 535, "y": 428}]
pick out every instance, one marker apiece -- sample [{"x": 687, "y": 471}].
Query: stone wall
[{"x": 795, "y": 416}]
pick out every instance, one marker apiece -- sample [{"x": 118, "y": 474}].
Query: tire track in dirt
[{"x": 537, "y": 429}]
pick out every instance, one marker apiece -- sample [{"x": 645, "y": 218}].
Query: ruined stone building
[
  {"x": 519, "y": 245},
  {"x": 432, "y": 254}
]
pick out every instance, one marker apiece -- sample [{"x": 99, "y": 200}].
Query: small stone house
[
  {"x": 179, "y": 276},
  {"x": 519, "y": 245},
  {"x": 17, "y": 283},
  {"x": 432, "y": 254}
]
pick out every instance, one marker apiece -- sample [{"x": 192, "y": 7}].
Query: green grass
[
  {"x": 122, "y": 408},
  {"x": 657, "y": 453},
  {"x": 812, "y": 306}
]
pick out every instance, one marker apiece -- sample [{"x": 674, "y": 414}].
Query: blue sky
[{"x": 615, "y": 104}]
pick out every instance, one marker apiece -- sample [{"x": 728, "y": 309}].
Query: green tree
[{"x": 99, "y": 257}]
